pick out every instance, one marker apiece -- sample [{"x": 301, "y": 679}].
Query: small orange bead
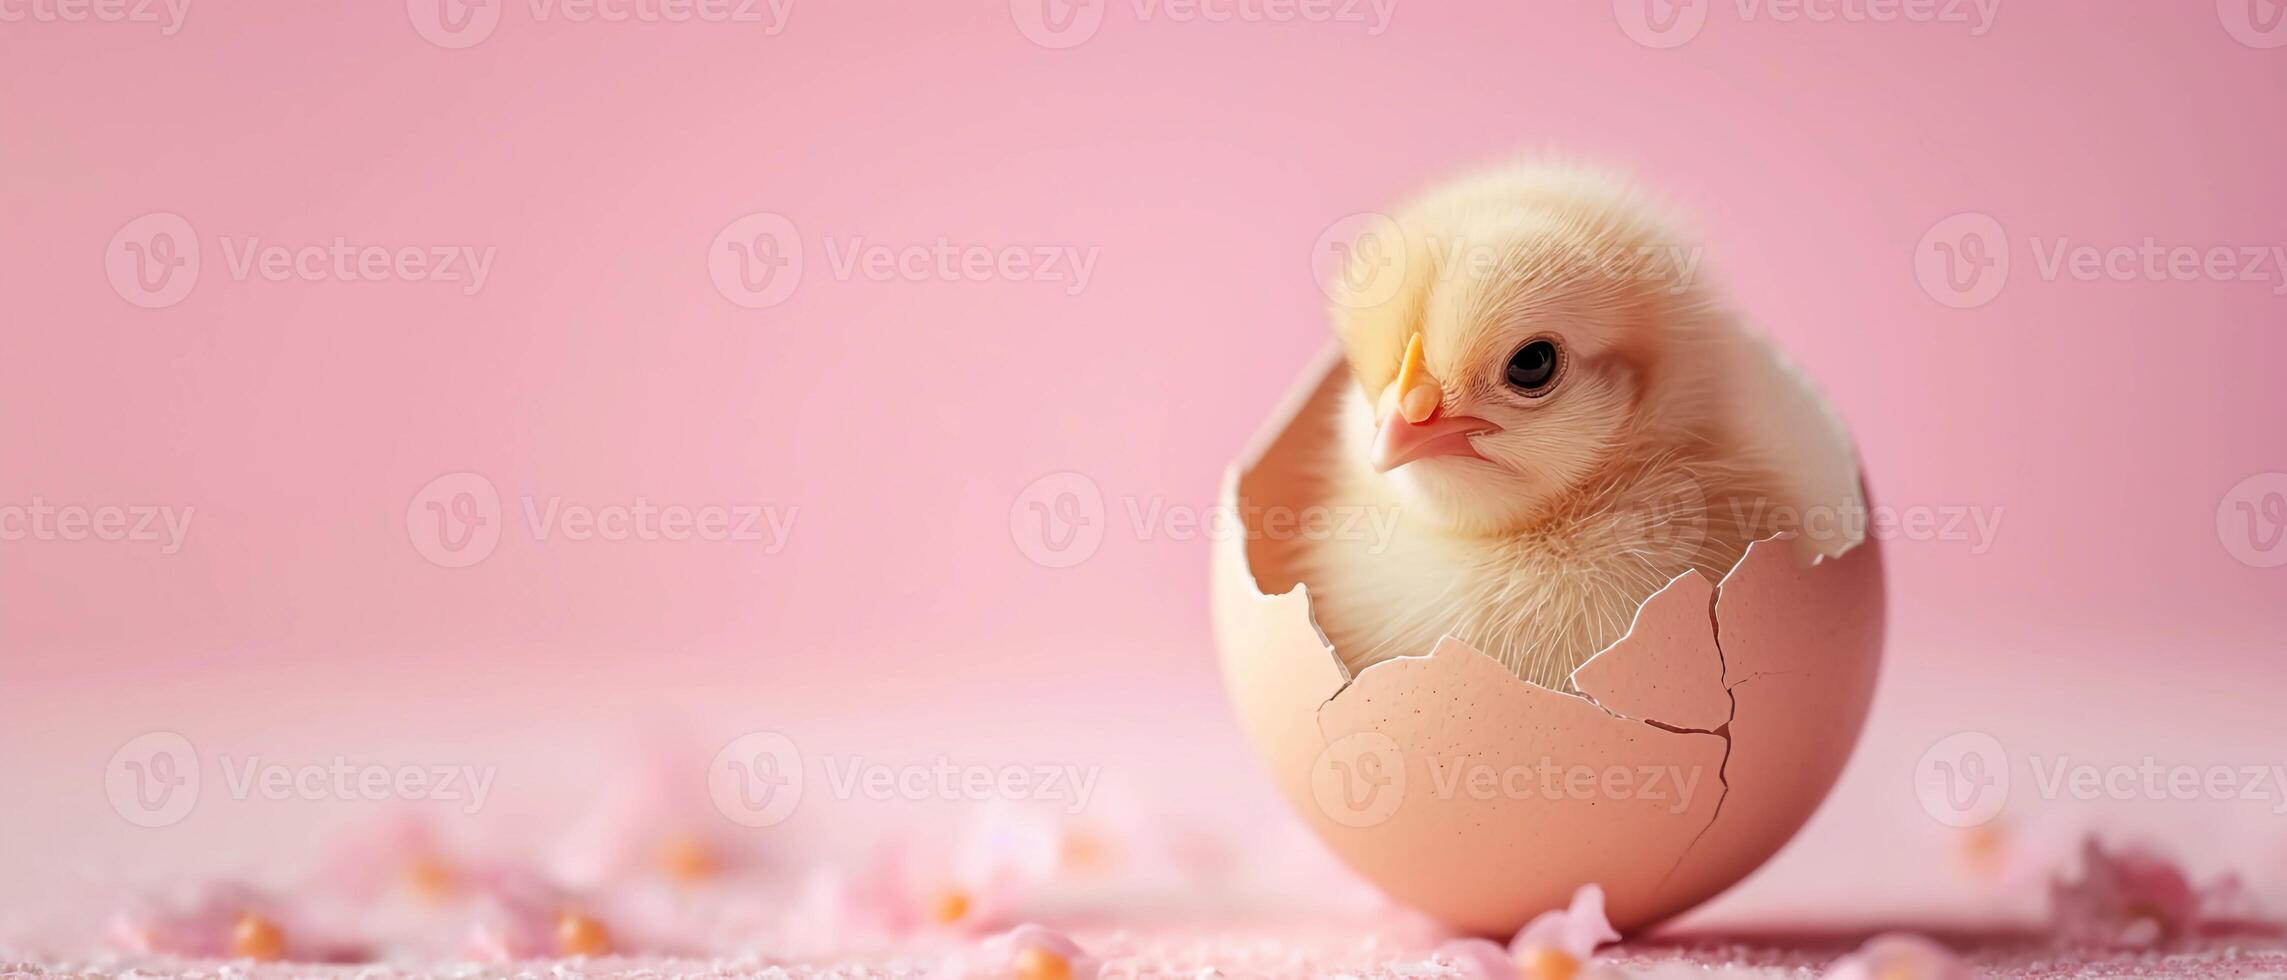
[
  {"x": 1035, "y": 963},
  {"x": 257, "y": 938},
  {"x": 1984, "y": 849},
  {"x": 1084, "y": 851},
  {"x": 1548, "y": 964},
  {"x": 685, "y": 859},
  {"x": 430, "y": 879},
  {"x": 951, "y": 907},
  {"x": 578, "y": 935}
]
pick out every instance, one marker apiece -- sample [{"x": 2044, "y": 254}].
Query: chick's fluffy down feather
[{"x": 1587, "y": 496}]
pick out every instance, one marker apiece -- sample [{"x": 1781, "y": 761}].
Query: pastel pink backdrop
[{"x": 2103, "y": 421}]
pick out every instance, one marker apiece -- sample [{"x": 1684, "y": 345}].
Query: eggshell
[{"x": 1454, "y": 785}]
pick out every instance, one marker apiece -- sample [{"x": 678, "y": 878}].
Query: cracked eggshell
[{"x": 1697, "y": 744}]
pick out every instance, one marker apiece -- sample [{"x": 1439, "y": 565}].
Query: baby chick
[{"x": 1544, "y": 403}]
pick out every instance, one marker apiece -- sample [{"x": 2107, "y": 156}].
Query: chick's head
[{"x": 1515, "y": 335}]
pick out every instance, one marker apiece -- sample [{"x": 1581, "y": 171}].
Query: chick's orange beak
[{"x": 1411, "y": 426}]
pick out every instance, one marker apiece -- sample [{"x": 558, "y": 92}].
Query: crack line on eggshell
[
  {"x": 1758, "y": 675},
  {"x": 1723, "y": 731}
]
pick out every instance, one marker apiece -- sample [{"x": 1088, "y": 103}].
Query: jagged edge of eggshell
[{"x": 1299, "y": 395}]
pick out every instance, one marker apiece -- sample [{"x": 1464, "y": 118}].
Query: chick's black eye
[{"x": 1533, "y": 368}]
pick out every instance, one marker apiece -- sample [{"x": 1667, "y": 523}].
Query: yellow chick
[{"x": 1544, "y": 413}]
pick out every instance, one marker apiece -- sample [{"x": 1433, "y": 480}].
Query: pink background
[{"x": 2104, "y": 422}]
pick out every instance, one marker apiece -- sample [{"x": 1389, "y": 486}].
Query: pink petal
[
  {"x": 1899, "y": 956},
  {"x": 518, "y": 917},
  {"x": 996, "y": 957},
  {"x": 1031, "y": 936},
  {"x": 994, "y": 862},
  {"x": 198, "y": 921},
  {"x": 372, "y": 858},
  {"x": 1575, "y": 931},
  {"x": 1479, "y": 959},
  {"x": 2132, "y": 895}
]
